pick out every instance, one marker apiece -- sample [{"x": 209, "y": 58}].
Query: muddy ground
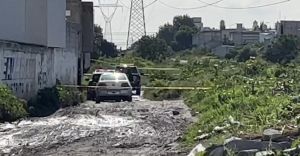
[{"x": 108, "y": 129}]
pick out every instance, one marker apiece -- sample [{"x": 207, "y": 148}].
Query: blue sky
[{"x": 158, "y": 14}]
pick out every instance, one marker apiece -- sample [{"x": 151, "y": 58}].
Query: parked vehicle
[
  {"x": 133, "y": 75},
  {"x": 91, "y": 92},
  {"x": 113, "y": 86}
]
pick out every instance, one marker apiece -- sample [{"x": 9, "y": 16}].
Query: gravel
[{"x": 111, "y": 129}]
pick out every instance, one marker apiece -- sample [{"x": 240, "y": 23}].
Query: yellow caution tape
[
  {"x": 143, "y": 87},
  {"x": 143, "y": 68},
  {"x": 163, "y": 69}
]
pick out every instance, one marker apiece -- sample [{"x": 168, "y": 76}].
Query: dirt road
[{"x": 108, "y": 129}]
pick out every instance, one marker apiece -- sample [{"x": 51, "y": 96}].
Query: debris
[
  {"x": 231, "y": 139},
  {"x": 175, "y": 113},
  {"x": 271, "y": 134},
  {"x": 202, "y": 137},
  {"x": 264, "y": 153},
  {"x": 200, "y": 132},
  {"x": 121, "y": 129},
  {"x": 199, "y": 148},
  {"x": 233, "y": 122},
  {"x": 219, "y": 129}
]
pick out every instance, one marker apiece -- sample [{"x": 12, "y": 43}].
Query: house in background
[
  {"x": 288, "y": 28},
  {"x": 222, "y": 41}
]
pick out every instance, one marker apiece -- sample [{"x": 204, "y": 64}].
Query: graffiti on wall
[
  {"x": 18, "y": 74},
  {"x": 42, "y": 78},
  {"x": 9, "y": 63}
]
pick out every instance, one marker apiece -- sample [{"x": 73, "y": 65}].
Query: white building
[
  {"x": 288, "y": 28},
  {"x": 33, "y": 51}
]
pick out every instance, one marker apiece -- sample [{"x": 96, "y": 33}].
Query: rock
[
  {"x": 199, "y": 148},
  {"x": 203, "y": 136},
  {"x": 271, "y": 134}
]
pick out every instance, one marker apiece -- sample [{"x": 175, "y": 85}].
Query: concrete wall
[
  {"x": 87, "y": 32},
  {"x": 289, "y": 28},
  {"x": 207, "y": 39},
  {"x": 40, "y": 22},
  {"x": 26, "y": 68},
  {"x": 221, "y": 51},
  {"x": 56, "y": 23},
  {"x": 36, "y": 22},
  {"x": 12, "y": 16}
]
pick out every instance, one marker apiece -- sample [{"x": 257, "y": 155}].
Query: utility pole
[
  {"x": 108, "y": 18},
  {"x": 137, "y": 26}
]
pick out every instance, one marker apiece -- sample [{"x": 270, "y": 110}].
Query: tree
[
  {"x": 245, "y": 54},
  {"x": 167, "y": 33},
  {"x": 222, "y": 25},
  {"x": 97, "y": 42},
  {"x": 255, "y": 26},
  {"x": 184, "y": 38},
  {"x": 151, "y": 48},
  {"x": 283, "y": 50},
  {"x": 184, "y": 20},
  {"x": 108, "y": 49},
  {"x": 103, "y": 48},
  {"x": 179, "y": 35},
  {"x": 263, "y": 27},
  {"x": 242, "y": 54}
]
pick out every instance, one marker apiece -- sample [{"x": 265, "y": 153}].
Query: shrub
[
  {"x": 70, "y": 97},
  {"x": 161, "y": 94},
  {"x": 11, "y": 108},
  {"x": 45, "y": 103},
  {"x": 49, "y": 100}
]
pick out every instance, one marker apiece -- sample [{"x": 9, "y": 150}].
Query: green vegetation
[
  {"x": 103, "y": 48},
  {"x": 11, "y": 108},
  {"x": 255, "y": 93},
  {"x": 255, "y": 86},
  {"x": 152, "y": 48},
  {"x": 284, "y": 50},
  {"x": 49, "y": 100},
  {"x": 179, "y": 35}
]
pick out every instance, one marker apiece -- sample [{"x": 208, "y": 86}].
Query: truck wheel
[
  {"x": 138, "y": 91},
  {"x": 98, "y": 99},
  {"x": 118, "y": 100},
  {"x": 88, "y": 96},
  {"x": 129, "y": 98}
]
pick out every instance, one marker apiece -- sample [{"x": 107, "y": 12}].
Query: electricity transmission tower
[
  {"x": 108, "y": 17},
  {"x": 137, "y": 27}
]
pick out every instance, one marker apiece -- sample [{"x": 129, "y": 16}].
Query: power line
[
  {"x": 189, "y": 8},
  {"x": 154, "y": 1},
  {"x": 249, "y": 7},
  {"x": 127, "y": 7}
]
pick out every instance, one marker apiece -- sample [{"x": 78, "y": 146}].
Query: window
[
  {"x": 121, "y": 77},
  {"x": 113, "y": 77},
  {"x": 96, "y": 77},
  {"x": 8, "y": 68},
  {"x": 108, "y": 77}
]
